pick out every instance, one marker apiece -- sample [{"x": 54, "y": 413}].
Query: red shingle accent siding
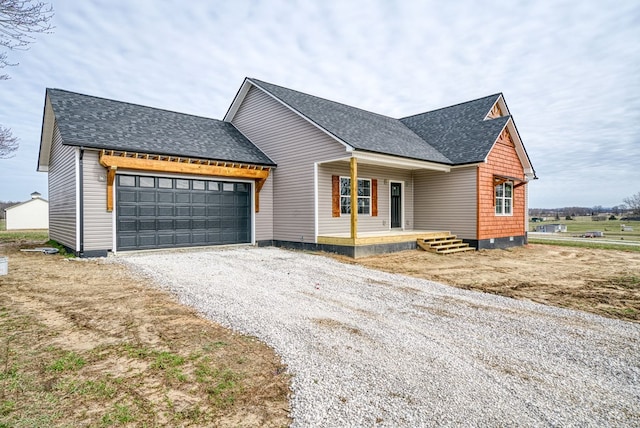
[{"x": 502, "y": 160}]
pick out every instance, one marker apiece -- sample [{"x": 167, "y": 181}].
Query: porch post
[{"x": 353, "y": 167}]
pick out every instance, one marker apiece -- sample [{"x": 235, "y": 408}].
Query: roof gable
[
  {"x": 358, "y": 128},
  {"x": 100, "y": 123},
  {"x": 461, "y": 132}
]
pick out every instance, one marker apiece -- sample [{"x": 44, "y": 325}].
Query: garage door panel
[
  {"x": 199, "y": 237},
  {"x": 165, "y": 239},
  {"x": 165, "y": 211},
  {"x": 147, "y": 210},
  {"x": 128, "y": 225},
  {"x": 183, "y": 238},
  {"x": 183, "y": 211},
  {"x": 126, "y": 210},
  {"x": 164, "y": 196},
  {"x": 127, "y": 196},
  {"x": 146, "y": 196},
  {"x": 165, "y": 224},
  {"x": 146, "y": 224},
  {"x": 213, "y": 198},
  {"x": 159, "y": 212},
  {"x": 183, "y": 198},
  {"x": 147, "y": 241},
  {"x": 127, "y": 241},
  {"x": 198, "y": 223},
  {"x": 183, "y": 224}
]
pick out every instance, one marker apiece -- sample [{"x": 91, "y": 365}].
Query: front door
[{"x": 396, "y": 205}]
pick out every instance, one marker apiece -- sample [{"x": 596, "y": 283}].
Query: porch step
[{"x": 444, "y": 243}]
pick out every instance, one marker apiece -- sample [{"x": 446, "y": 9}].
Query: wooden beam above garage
[{"x": 113, "y": 160}]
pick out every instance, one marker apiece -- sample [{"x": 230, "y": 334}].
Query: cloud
[{"x": 568, "y": 71}]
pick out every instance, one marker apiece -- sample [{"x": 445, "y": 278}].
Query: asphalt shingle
[
  {"x": 100, "y": 123},
  {"x": 453, "y": 135},
  {"x": 460, "y": 131},
  {"x": 358, "y": 128}
]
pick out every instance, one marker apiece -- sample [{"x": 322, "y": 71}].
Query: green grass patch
[
  {"x": 61, "y": 248},
  {"x": 7, "y": 236},
  {"x": 593, "y": 243},
  {"x": 612, "y": 228},
  {"x": 68, "y": 362},
  {"x": 119, "y": 415}
]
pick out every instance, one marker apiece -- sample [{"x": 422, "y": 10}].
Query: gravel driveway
[{"x": 367, "y": 348}]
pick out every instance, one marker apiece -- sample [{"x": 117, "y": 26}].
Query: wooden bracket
[
  {"x": 111, "y": 178},
  {"x": 158, "y": 163}
]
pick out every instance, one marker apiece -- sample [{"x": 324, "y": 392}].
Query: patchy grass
[{"x": 83, "y": 343}]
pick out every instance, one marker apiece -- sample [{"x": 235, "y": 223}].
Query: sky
[{"x": 569, "y": 72}]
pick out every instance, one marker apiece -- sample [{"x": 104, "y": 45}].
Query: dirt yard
[
  {"x": 87, "y": 343},
  {"x": 604, "y": 282},
  {"x": 84, "y": 343}
]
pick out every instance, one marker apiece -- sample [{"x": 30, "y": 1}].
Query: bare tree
[
  {"x": 8, "y": 143},
  {"x": 19, "y": 20},
  {"x": 633, "y": 202}
]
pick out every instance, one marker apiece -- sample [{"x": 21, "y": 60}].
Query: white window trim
[
  {"x": 357, "y": 197},
  {"x": 503, "y": 198}
]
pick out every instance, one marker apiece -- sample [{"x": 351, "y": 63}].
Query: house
[
  {"x": 280, "y": 169},
  {"x": 551, "y": 228},
  {"x": 32, "y": 214}
]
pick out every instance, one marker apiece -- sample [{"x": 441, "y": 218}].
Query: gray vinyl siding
[
  {"x": 294, "y": 145},
  {"x": 446, "y": 201},
  {"x": 98, "y": 222},
  {"x": 264, "y": 218},
  {"x": 329, "y": 225},
  {"x": 62, "y": 192}
]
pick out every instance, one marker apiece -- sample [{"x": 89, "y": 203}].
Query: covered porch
[{"x": 379, "y": 237}]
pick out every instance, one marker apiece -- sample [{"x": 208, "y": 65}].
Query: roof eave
[{"x": 46, "y": 135}]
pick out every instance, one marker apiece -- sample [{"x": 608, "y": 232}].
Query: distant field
[{"x": 614, "y": 237}]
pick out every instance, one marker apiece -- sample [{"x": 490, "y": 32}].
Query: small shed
[
  {"x": 551, "y": 228},
  {"x": 32, "y": 214}
]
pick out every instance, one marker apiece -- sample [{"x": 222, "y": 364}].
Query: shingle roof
[
  {"x": 100, "y": 123},
  {"x": 452, "y": 135},
  {"x": 358, "y": 128},
  {"x": 460, "y": 131}
]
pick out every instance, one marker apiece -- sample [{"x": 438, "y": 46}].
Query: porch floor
[{"x": 383, "y": 237}]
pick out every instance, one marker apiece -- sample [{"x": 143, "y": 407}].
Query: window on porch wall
[{"x": 364, "y": 196}]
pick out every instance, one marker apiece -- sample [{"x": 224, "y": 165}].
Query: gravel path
[{"x": 367, "y": 348}]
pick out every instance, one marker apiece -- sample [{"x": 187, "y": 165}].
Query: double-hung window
[
  {"x": 364, "y": 196},
  {"x": 504, "y": 198}
]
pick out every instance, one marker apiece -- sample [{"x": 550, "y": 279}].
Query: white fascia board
[
  {"x": 237, "y": 100},
  {"x": 520, "y": 150},
  {"x": 398, "y": 162},
  {"x": 344, "y": 143},
  {"x": 46, "y": 136},
  {"x": 502, "y": 105}
]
